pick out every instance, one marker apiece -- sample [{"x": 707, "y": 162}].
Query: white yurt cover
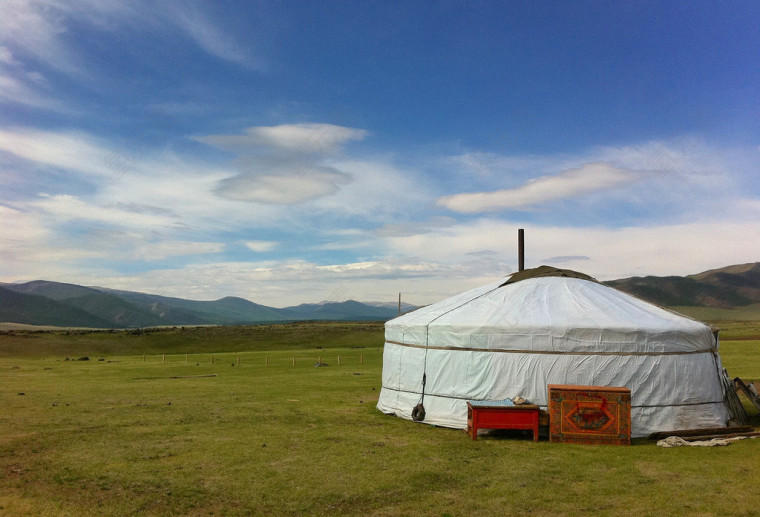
[{"x": 505, "y": 340}]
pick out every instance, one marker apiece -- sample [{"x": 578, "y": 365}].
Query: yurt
[{"x": 545, "y": 326}]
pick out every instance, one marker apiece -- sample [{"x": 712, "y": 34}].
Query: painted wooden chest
[{"x": 589, "y": 414}]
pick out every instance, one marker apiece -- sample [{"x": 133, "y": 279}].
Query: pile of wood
[
  {"x": 748, "y": 389},
  {"x": 694, "y": 435},
  {"x": 735, "y": 407}
]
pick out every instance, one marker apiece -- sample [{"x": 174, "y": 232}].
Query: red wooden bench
[{"x": 501, "y": 415}]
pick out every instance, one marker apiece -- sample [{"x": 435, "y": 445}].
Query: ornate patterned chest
[{"x": 589, "y": 414}]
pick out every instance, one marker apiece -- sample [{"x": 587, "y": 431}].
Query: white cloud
[
  {"x": 34, "y": 29},
  {"x": 72, "y": 151},
  {"x": 43, "y": 29},
  {"x": 31, "y": 250},
  {"x": 142, "y": 194},
  {"x": 38, "y": 37},
  {"x": 160, "y": 250},
  {"x": 414, "y": 228},
  {"x": 68, "y": 208},
  {"x": 261, "y": 246},
  {"x": 19, "y": 227},
  {"x": 685, "y": 155},
  {"x": 747, "y": 206},
  {"x": 6, "y": 56},
  {"x": 284, "y": 164},
  {"x": 488, "y": 165},
  {"x": 286, "y": 187},
  {"x": 590, "y": 177},
  {"x": 679, "y": 179},
  {"x": 293, "y": 282},
  {"x": 208, "y": 36},
  {"x": 305, "y": 138},
  {"x": 13, "y": 90},
  {"x": 665, "y": 249},
  {"x": 379, "y": 192}
]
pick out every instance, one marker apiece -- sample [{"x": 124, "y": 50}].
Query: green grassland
[
  {"x": 191, "y": 339},
  {"x": 720, "y": 316},
  {"x": 261, "y": 431}
]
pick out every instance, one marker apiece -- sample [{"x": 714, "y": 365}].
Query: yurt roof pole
[{"x": 521, "y": 249}]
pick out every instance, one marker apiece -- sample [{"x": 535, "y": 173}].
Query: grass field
[
  {"x": 254, "y": 434},
  {"x": 742, "y": 313}
]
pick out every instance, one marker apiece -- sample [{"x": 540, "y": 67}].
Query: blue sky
[{"x": 292, "y": 152}]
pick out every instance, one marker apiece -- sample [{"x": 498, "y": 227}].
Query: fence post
[
  {"x": 163, "y": 358},
  {"x": 185, "y": 358},
  {"x": 361, "y": 358},
  {"x": 294, "y": 360}
]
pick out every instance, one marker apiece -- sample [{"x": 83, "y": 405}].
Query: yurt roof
[{"x": 556, "y": 307}]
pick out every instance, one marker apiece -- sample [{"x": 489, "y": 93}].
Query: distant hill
[
  {"x": 226, "y": 311},
  {"x": 745, "y": 278},
  {"x": 54, "y": 290},
  {"x": 348, "y": 310},
  {"x": 32, "y": 309},
  {"x": 405, "y": 307},
  {"x": 115, "y": 310},
  {"x": 725, "y": 288},
  {"x": 43, "y": 302}
]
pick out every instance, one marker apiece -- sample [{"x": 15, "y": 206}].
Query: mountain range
[
  {"x": 724, "y": 288},
  {"x": 42, "y": 302}
]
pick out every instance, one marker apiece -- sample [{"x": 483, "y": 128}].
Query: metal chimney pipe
[{"x": 521, "y": 249}]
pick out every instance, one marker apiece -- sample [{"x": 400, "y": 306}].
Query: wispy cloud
[
  {"x": 606, "y": 252},
  {"x": 564, "y": 259},
  {"x": 571, "y": 183},
  {"x": 27, "y": 90},
  {"x": 36, "y": 30},
  {"x": 106, "y": 185},
  {"x": 69, "y": 150},
  {"x": 44, "y": 30},
  {"x": 380, "y": 192},
  {"x": 261, "y": 246},
  {"x": 70, "y": 208},
  {"x": 161, "y": 250},
  {"x": 198, "y": 25},
  {"x": 40, "y": 39},
  {"x": 284, "y": 283},
  {"x": 19, "y": 227}
]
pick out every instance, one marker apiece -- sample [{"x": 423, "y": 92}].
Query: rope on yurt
[{"x": 418, "y": 411}]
